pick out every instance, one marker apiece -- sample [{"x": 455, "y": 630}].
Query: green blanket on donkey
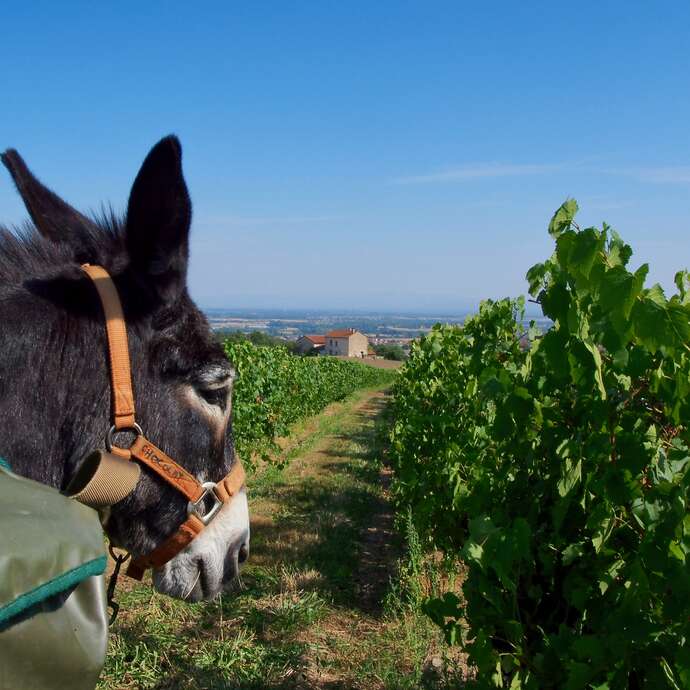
[{"x": 53, "y": 620}]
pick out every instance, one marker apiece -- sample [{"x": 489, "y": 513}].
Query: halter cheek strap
[
  {"x": 118, "y": 347},
  {"x": 145, "y": 452}
]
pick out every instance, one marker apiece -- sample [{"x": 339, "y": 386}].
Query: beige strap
[
  {"x": 103, "y": 479},
  {"x": 188, "y": 530},
  {"x": 118, "y": 349}
]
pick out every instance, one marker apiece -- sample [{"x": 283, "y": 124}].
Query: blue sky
[{"x": 413, "y": 151}]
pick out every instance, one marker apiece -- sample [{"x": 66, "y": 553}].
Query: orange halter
[{"x": 145, "y": 452}]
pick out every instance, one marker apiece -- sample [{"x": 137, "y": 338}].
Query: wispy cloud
[
  {"x": 678, "y": 174},
  {"x": 672, "y": 174},
  {"x": 481, "y": 170}
]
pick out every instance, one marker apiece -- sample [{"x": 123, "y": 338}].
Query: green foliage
[
  {"x": 275, "y": 389},
  {"x": 560, "y": 473},
  {"x": 255, "y": 337},
  {"x": 390, "y": 351}
]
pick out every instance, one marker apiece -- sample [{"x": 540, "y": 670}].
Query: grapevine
[
  {"x": 275, "y": 389},
  {"x": 559, "y": 472}
]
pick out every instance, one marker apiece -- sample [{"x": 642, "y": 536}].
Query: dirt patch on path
[{"x": 380, "y": 545}]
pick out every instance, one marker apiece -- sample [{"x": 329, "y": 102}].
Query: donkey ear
[
  {"x": 158, "y": 218},
  {"x": 55, "y": 219}
]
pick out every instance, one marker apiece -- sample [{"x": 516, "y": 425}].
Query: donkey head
[{"x": 182, "y": 379}]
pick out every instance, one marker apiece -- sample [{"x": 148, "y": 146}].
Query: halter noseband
[{"x": 110, "y": 473}]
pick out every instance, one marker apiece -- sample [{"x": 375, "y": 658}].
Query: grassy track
[{"x": 315, "y": 608}]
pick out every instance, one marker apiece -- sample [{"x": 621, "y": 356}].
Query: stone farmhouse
[
  {"x": 345, "y": 342},
  {"x": 310, "y": 343}
]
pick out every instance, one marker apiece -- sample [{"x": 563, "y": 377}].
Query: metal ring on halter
[
  {"x": 135, "y": 428},
  {"x": 193, "y": 507}
]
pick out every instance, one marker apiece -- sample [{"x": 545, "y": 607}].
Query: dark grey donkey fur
[{"x": 55, "y": 398}]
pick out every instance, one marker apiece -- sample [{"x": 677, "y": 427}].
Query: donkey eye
[
  {"x": 215, "y": 396},
  {"x": 212, "y": 384}
]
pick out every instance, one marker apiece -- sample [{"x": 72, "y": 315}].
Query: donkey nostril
[{"x": 243, "y": 554}]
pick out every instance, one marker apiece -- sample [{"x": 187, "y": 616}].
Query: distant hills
[{"x": 291, "y": 324}]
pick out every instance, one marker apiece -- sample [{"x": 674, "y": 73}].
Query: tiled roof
[
  {"x": 341, "y": 333},
  {"x": 316, "y": 339}
]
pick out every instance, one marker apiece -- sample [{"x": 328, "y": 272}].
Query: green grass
[{"x": 315, "y": 608}]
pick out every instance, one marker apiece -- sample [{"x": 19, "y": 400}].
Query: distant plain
[{"x": 294, "y": 323}]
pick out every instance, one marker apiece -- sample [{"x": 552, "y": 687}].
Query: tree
[{"x": 390, "y": 351}]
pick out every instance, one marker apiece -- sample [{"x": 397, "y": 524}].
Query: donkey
[{"x": 55, "y": 398}]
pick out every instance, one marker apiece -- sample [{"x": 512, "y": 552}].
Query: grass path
[{"x": 315, "y": 608}]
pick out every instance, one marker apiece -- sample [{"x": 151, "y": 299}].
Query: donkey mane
[
  {"x": 41, "y": 266},
  {"x": 25, "y": 253}
]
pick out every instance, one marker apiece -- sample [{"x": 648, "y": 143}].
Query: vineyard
[
  {"x": 556, "y": 466},
  {"x": 275, "y": 389},
  {"x": 545, "y": 474}
]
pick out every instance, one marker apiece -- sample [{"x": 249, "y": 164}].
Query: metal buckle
[
  {"x": 135, "y": 429},
  {"x": 193, "y": 507}
]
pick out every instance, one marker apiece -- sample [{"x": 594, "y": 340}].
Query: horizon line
[{"x": 355, "y": 311}]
